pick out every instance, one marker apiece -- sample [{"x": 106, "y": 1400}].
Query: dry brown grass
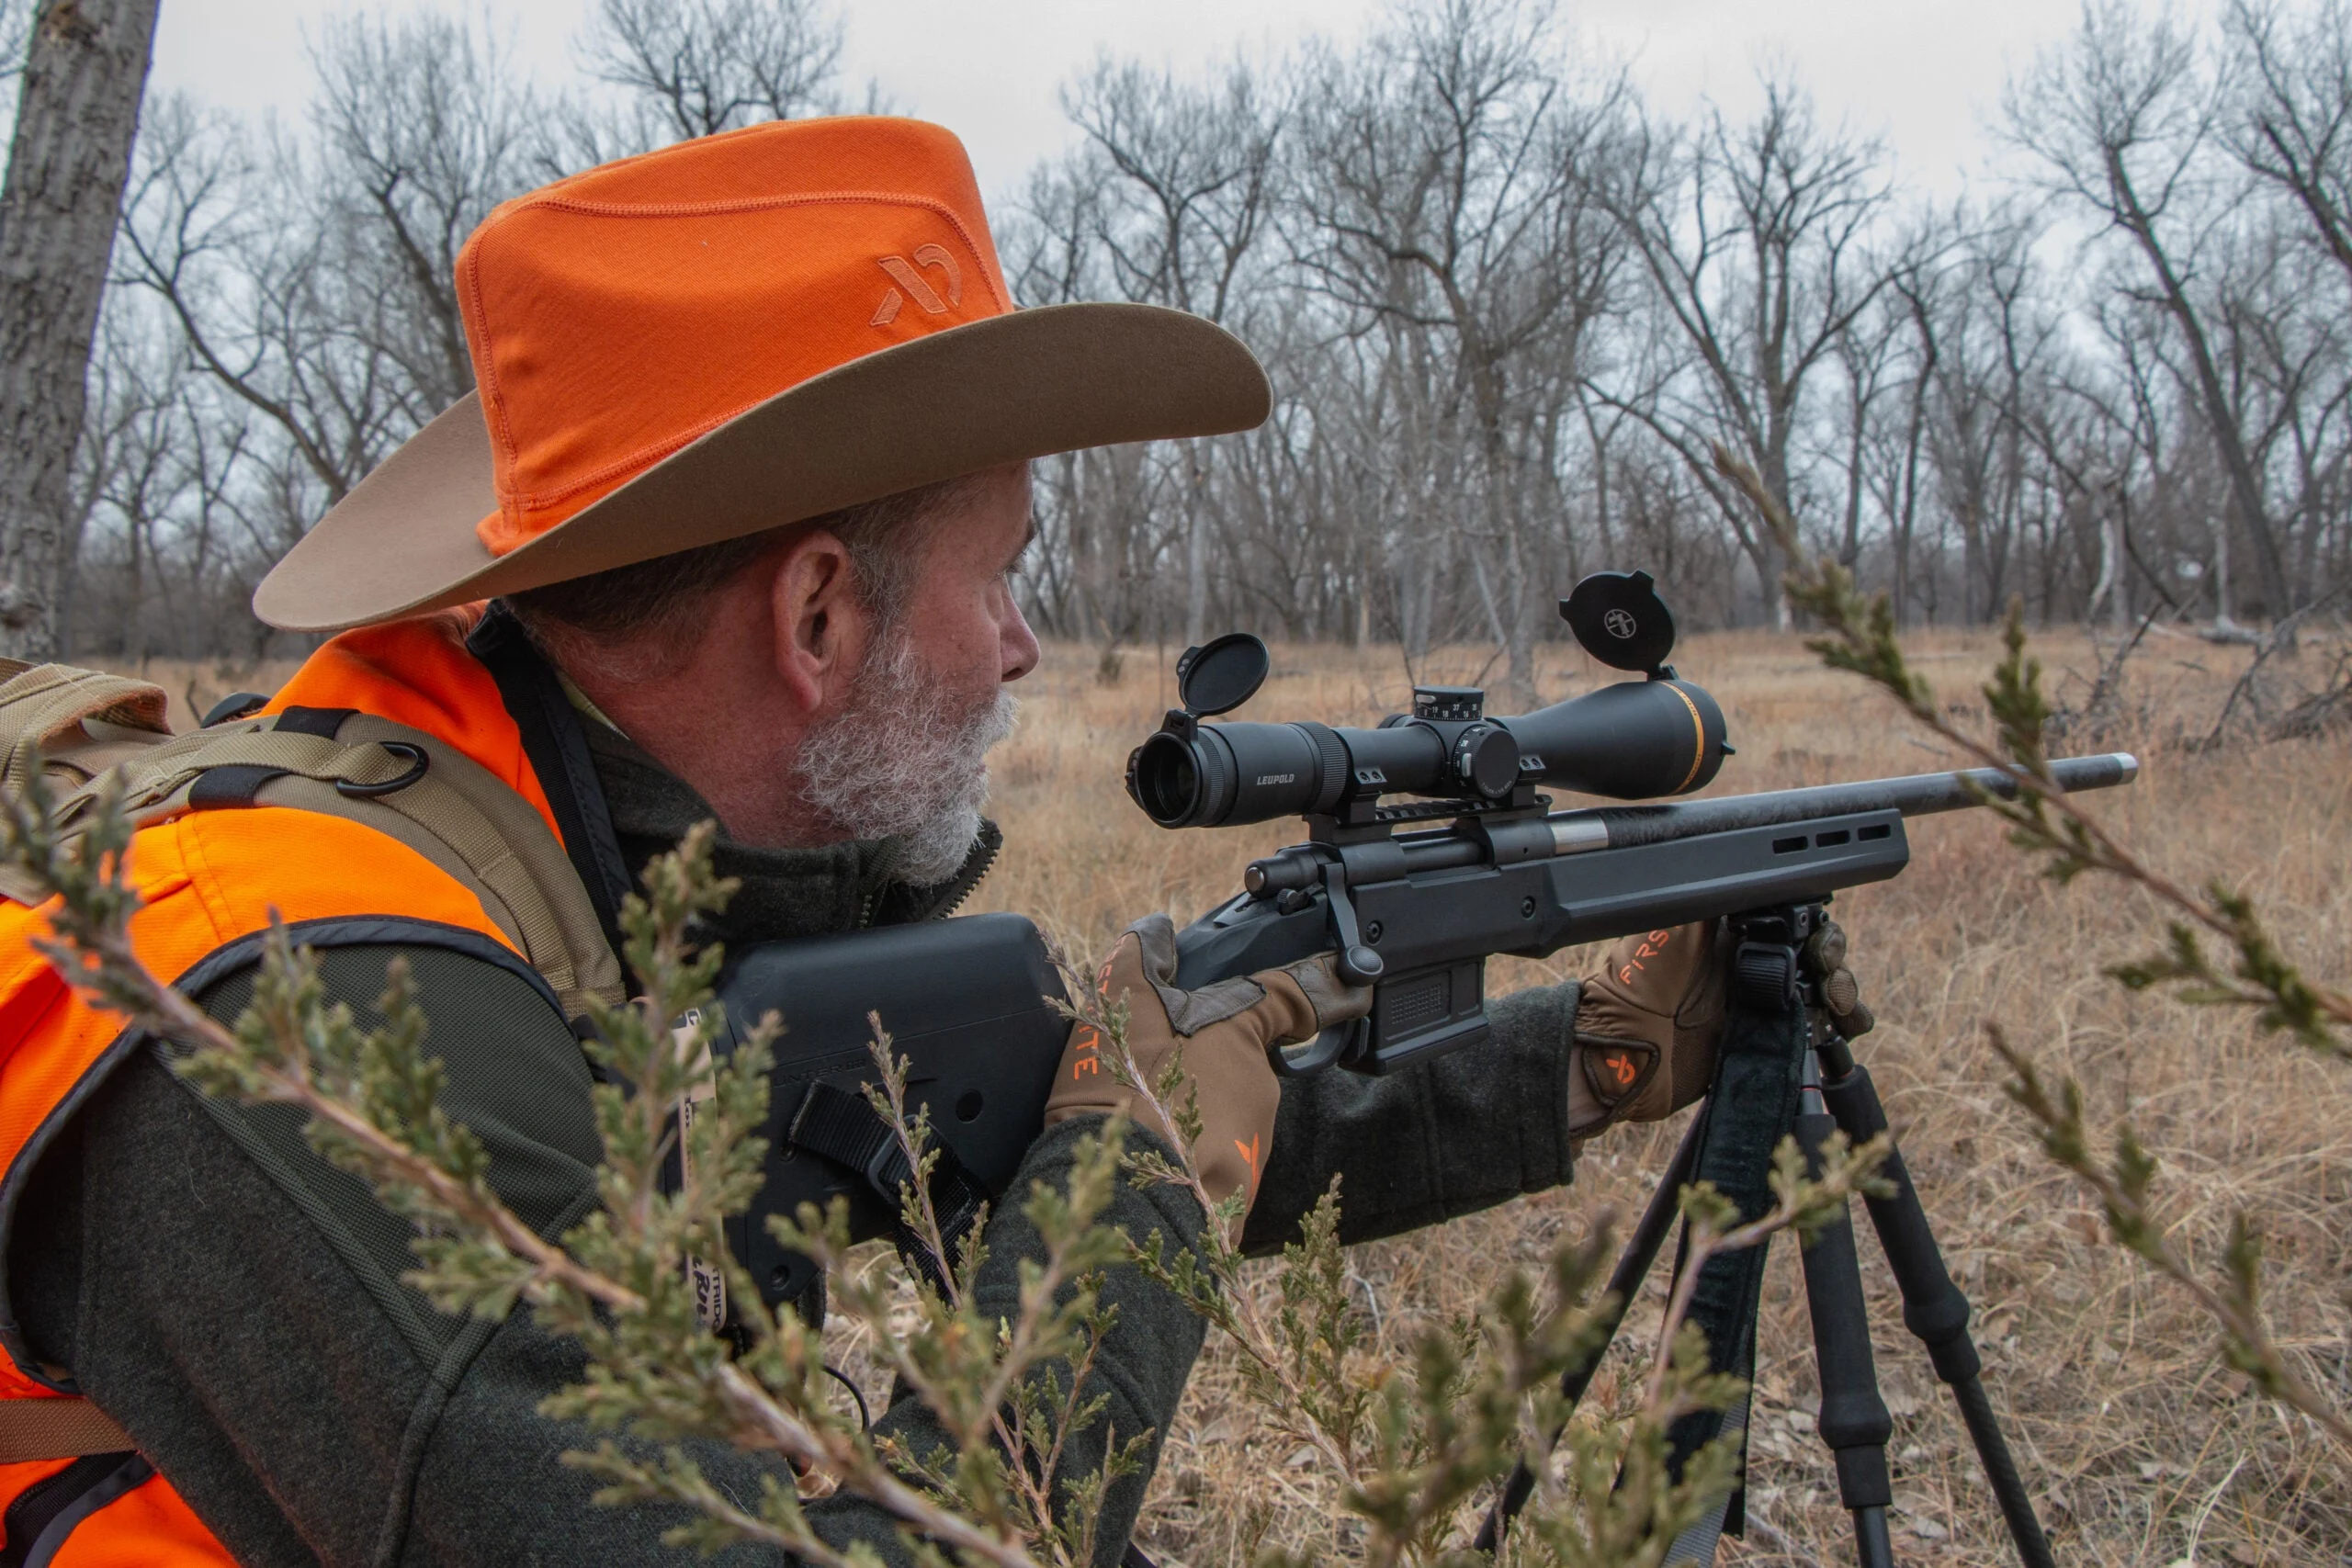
[{"x": 2140, "y": 1448}]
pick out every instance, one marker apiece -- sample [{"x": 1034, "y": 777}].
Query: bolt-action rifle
[
  {"x": 1417, "y": 910},
  {"x": 1414, "y": 895}
]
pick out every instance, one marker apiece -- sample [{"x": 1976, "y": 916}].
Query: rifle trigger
[{"x": 1325, "y": 1050}]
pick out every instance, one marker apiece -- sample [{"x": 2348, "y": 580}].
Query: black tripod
[{"x": 1777, "y": 1074}]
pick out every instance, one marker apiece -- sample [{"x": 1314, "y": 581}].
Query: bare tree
[
  {"x": 688, "y": 68},
  {"x": 2124, "y": 122},
  {"x": 2293, "y": 127},
  {"x": 1990, "y": 363},
  {"x": 1918, "y": 284},
  {"x": 1869, "y": 359},
  {"x": 313, "y": 284},
  {"x": 1504, "y": 306},
  {"x": 1182, "y": 181},
  {"x": 1447, "y": 214},
  {"x": 1755, "y": 239},
  {"x": 420, "y": 135},
  {"x": 1188, "y": 186},
  {"x": 85, "y": 70},
  {"x": 713, "y": 66}
]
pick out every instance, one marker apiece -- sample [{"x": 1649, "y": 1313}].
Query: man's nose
[{"x": 1017, "y": 642}]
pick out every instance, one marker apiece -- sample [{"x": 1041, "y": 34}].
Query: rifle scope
[{"x": 1629, "y": 741}]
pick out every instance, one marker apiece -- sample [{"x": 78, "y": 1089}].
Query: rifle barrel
[
  {"x": 1918, "y": 795},
  {"x": 1624, "y": 826}
]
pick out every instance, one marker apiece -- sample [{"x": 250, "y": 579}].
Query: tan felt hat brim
[{"x": 1004, "y": 389}]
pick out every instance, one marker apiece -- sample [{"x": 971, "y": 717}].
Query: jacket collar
[
  {"x": 474, "y": 679},
  {"x": 781, "y": 893}
]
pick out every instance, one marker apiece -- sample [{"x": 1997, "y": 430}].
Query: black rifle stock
[
  {"x": 969, "y": 1003},
  {"x": 968, "y": 1000},
  {"x": 1415, "y": 909},
  {"x": 1435, "y": 904}
]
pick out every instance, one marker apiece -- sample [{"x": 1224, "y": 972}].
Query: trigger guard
[{"x": 1318, "y": 1054}]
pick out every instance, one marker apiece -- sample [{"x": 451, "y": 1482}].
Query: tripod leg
[
  {"x": 1624, "y": 1281},
  {"x": 1935, "y": 1311},
  {"x": 1854, "y": 1421}
]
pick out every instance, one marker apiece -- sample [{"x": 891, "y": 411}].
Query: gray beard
[{"x": 905, "y": 759}]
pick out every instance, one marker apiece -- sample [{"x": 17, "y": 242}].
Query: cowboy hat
[{"x": 732, "y": 333}]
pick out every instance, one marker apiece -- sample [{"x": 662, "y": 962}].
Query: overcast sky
[{"x": 1925, "y": 72}]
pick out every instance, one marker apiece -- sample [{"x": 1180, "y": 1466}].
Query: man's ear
[{"x": 822, "y": 624}]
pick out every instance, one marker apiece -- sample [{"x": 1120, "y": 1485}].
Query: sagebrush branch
[
  {"x": 1867, "y": 647},
  {"x": 93, "y": 902},
  {"x": 2121, "y": 1188}
]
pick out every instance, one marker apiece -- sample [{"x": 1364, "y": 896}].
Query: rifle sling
[{"x": 1751, "y": 1107}]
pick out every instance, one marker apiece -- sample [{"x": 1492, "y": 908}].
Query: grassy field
[{"x": 2140, "y": 1448}]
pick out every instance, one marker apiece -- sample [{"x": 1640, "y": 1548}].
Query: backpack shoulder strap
[
  {"x": 400, "y": 781},
  {"x": 503, "y": 844}
]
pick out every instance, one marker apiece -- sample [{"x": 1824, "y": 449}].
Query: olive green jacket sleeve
[
  {"x": 1439, "y": 1139},
  {"x": 234, "y": 1302}
]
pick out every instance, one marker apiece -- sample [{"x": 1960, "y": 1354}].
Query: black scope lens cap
[
  {"x": 1620, "y": 620},
  {"x": 1221, "y": 674}
]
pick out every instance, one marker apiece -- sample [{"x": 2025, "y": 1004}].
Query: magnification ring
[{"x": 1331, "y": 762}]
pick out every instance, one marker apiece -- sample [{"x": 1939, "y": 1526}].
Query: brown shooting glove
[
  {"x": 1224, "y": 1031},
  {"x": 1648, "y": 1027}
]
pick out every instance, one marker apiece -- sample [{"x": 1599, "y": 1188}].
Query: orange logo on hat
[{"x": 908, "y": 278}]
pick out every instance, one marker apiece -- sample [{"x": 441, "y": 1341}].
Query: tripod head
[{"x": 1782, "y": 1072}]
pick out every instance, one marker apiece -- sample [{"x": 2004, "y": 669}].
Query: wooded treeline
[{"x": 1506, "y": 303}]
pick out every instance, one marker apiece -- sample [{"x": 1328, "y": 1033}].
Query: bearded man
[{"x": 728, "y": 531}]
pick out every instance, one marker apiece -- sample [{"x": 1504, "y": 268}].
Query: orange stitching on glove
[{"x": 1222, "y": 1031}]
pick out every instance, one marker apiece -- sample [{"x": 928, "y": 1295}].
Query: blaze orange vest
[{"x": 209, "y": 879}]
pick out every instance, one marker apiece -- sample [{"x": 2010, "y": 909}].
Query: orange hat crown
[{"x": 616, "y": 316}]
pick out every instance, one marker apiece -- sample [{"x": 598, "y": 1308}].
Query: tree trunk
[
  {"x": 1363, "y": 597},
  {"x": 2223, "y": 594},
  {"x": 1196, "y": 550},
  {"x": 1196, "y": 578},
  {"x": 1973, "y": 609},
  {"x": 1765, "y": 549},
  {"x": 2221, "y": 415},
  {"x": 2108, "y": 588},
  {"x": 76, "y": 118}
]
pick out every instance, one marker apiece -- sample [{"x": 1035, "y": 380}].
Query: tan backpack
[
  {"x": 78, "y": 726},
  {"x": 416, "y": 788}
]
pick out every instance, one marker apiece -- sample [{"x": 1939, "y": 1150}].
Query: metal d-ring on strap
[{"x": 418, "y": 761}]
